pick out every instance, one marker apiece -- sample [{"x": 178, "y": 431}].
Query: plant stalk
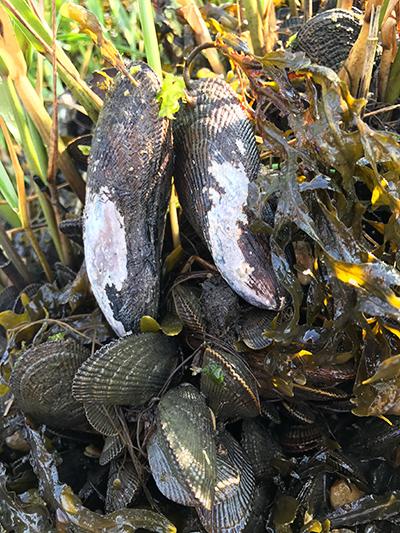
[
  {"x": 254, "y": 20},
  {"x": 146, "y": 16}
]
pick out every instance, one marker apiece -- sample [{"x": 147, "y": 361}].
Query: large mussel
[
  {"x": 217, "y": 158},
  {"x": 328, "y": 37},
  {"x": 126, "y": 201}
]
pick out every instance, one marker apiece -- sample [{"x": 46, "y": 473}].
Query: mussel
[
  {"x": 234, "y": 493},
  {"x": 228, "y": 384},
  {"x": 182, "y": 452},
  {"x": 328, "y": 37},
  {"x": 128, "y": 371},
  {"x": 216, "y": 159},
  {"x": 41, "y": 382},
  {"x": 128, "y": 187}
]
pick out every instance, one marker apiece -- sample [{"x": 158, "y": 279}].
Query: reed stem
[{"x": 146, "y": 16}]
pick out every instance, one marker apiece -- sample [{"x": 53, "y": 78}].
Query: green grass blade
[
  {"x": 7, "y": 188},
  {"x": 150, "y": 36}
]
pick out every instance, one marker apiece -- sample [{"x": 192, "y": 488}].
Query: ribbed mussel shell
[
  {"x": 235, "y": 395},
  {"x": 252, "y": 329},
  {"x": 260, "y": 446},
  {"x": 123, "y": 484},
  {"x": 182, "y": 452},
  {"x": 188, "y": 308},
  {"x": 217, "y": 158},
  {"x": 127, "y": 195},
  {"x": 41, "y": 382},
  {"x": 128, "y": 371},
  {"x": 328, "y": 37},
  {"x": 234, "y": 492}
]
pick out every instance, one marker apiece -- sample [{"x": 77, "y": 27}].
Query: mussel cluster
[{"x": 199, "y": 414}]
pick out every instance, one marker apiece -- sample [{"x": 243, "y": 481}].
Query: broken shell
[
  {"x": 41, "y": 383},
  {"x": 218, "y": 159},
  {"x": 234, "y": 497},
  {"x": 128, "y": 371},
  {"x": 233, "y": 393},
  {"x": 122, "y": 486},
  {"x": 126, "y": 200},
  {"x": 188, "y": 308},
  {"x": 185, "y": 429}
]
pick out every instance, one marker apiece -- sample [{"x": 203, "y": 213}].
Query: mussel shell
[
  {"x": 232, "y": 508},
  {"x": 252, "y": 329},
  {"x": 102, "y": 418},
  {"x": 185, "y": 427},
  {"x": 128, "y": 187},
  {"x": 122, "y": 486},
  {"x": 260, "y": 446},
  {"x": 236, "y": 395},
  {"x": 128, "y": 371},
  {"x": 188, "y": 308},
  {"x": 166, "y": 474},
  {"x": 41, "y": 382},
  {"x": 218, "y": 159},
  {"x": 328, "y": 37},
  {"x": 112, "y": 448}
]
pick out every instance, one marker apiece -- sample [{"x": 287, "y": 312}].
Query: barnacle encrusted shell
[
  {"x": 128, "y": 371},
  {"x": 128, "y": 187},
  {"x": 234, "y": 495},
  {"x": 233, "y": 394},
  {"x": 216, "y": 159},
  {"x": 185, "y": 436},
  {"x": 41, "y": 382}
]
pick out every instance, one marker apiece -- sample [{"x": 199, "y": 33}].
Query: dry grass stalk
[
  {"x": 193, "y": 17},
  {"x": 352, "y": 71}
]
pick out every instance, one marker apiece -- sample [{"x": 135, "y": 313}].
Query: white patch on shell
[
  {"x": 226, "y": 218},
  {"x": 105, "y": 251},
  {"x": 241, "y": 147}
]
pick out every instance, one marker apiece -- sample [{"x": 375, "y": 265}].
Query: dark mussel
[
  {"x": 129, "y": 179},
  {"x": 328, "y": 37},
  {"x": 217, "y": 159},
  {"x": 41, "y": 382}
]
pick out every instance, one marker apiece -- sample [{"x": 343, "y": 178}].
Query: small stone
[{"x": 343, "y": 492}]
